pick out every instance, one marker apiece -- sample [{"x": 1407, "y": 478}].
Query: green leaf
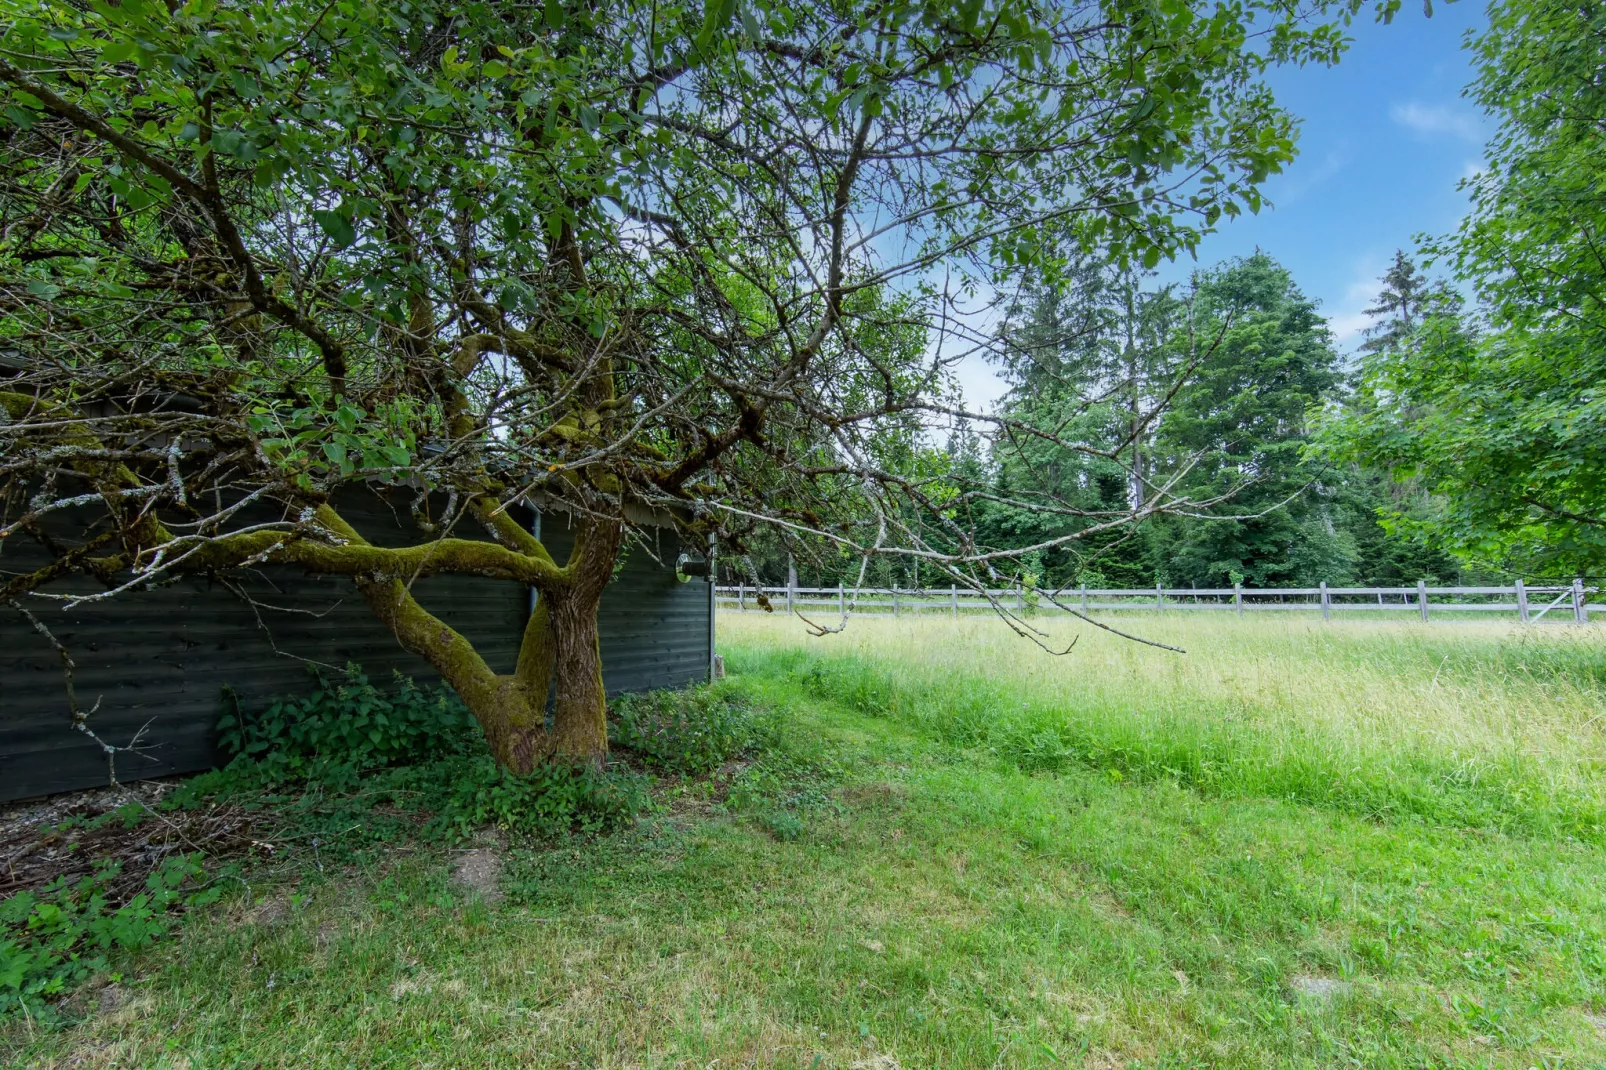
[
  {"x": 118, "y": 51},
  {"x": 337, "y": 226}
]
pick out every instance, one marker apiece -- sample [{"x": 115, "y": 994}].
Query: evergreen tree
[
  {"x": 1091, "y": 356},
  {"x": 1237, "y": 432},
  {"x": 1400, "y": 305}
]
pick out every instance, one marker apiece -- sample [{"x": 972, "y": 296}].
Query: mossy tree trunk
[{"x": 558, "y": 658}]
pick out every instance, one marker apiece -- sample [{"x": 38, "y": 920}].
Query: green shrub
[
  {"x": 343, "y": 728},
  {"x": 61, "y": 935},
  {"x": 349, "y": 765},
  {"x": 688, "y": 732}
]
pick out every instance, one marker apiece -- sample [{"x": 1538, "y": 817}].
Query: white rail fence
[{"x": 1528, "y": 603}]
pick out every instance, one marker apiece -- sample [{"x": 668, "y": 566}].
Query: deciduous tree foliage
[
  {"x": 1508, "y": 422},
  {"x": 645, "y": 258}
]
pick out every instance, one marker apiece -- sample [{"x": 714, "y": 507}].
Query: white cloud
[
  {"x": 1347, "y": 327},
  {"x": 1437, "y": 119},
  {"x": 1301, "y": 179},
  {"x": 1348, "y": 318}
]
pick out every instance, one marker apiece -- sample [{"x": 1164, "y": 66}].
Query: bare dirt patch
[
  {"x": 72, "y": 834},
  {"x": 1321, "y": 989},
  {"x": 479, "y": 872}
]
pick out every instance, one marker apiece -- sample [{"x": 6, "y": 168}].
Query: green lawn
[{"x": 1015, "y": 867}]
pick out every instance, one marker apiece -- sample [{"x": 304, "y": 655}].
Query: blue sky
[{"x": 1385, "y": 138}]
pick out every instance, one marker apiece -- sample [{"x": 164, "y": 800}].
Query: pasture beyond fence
[{"x": 1530, "y": 604}]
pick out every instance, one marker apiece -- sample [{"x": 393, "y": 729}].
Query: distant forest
[{"x": 1246, "y": 375}]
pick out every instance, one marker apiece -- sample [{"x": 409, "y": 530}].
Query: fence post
[
  {"x": 1522, "y": 602},
  {"x": 1326, "y": 604},
  {"x": 953, "y": 598},
  {"x": 841, "y": 600},
  {"x": 741, "y": 598},
  {"x": 1084, "y": 599},
  {"x": 1580, "y": 614},
  {"x": 791, "y": 595},
  {"x": 1238, "y": 596},
  {"x": 1020, "y": 597},
  {"x": 1422, "y": 597},
  {"x": 1159, "y": 597}
]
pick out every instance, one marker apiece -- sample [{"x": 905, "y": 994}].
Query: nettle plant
[{"x": 651, "y": 258}]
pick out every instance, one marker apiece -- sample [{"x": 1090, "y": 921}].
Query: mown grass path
[{"x": 959, "y": 905}]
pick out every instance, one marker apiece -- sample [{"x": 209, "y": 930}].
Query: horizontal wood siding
[{"x": 160, "y": 660}]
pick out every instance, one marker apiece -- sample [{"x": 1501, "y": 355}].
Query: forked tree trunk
[
  {"x": 560, "y": 661},
  {"x": 559, "y": 658}
]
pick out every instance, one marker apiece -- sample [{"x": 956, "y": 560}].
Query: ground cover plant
[{"x": 970, "y": 885}]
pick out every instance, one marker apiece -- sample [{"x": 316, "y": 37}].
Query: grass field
[{"x": 1357, "y": 844}]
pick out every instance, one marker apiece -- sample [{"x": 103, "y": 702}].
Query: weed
[
  {"x": 60, "y": 935},
  {"x": 342, "y": 728},
  {"x": 689, "y": 732},
  {"x": 328, "y": 761},
  {"x": 552, "y": 799}
]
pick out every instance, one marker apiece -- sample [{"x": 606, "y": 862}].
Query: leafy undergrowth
[
  {"x": 340, "y": 779},
  {"x": 63, "y": 934}
]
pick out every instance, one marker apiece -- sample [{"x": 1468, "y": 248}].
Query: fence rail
[{"x": 1530, "y": 603}]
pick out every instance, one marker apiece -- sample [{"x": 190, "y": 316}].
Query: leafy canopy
[{"x": 1506, "y": 419}]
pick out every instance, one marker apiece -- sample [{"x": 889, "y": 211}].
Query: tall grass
[{"x": 1468, "y": 723}]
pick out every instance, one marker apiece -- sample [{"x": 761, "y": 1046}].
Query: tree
[
  {"x": 1097, "y": 357},
  {"x": 1508, "y": 424},
  {"x": 650, "y": 256},
  {"x": 1237, "y": 433},
  {"x": 1399, "y": 305},
  {"x": 1390, "y": 515}
]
